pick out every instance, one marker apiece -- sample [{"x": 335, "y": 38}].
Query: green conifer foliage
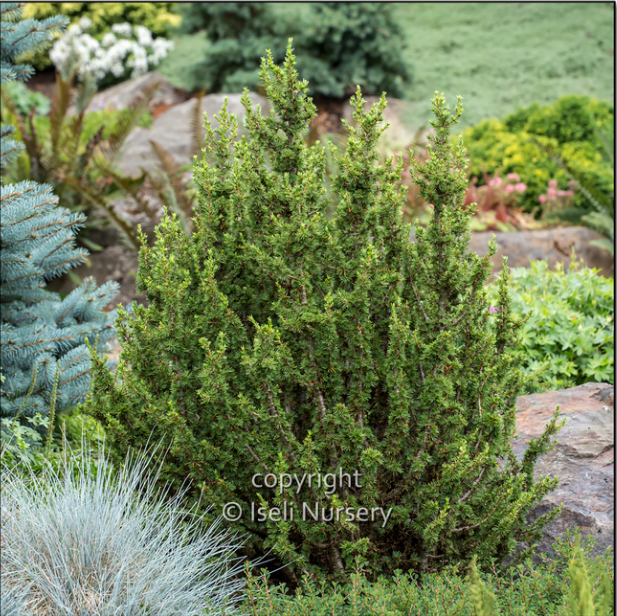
[
  {"x": 278, "y": 341},
  {"x": 340, "y": 44},
  {"x": 36, "y": 244}
]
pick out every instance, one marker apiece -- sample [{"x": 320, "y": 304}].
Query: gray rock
[
  {"x": 554, "y": 245},
  {"x": 123, "y": 94},
  {"x": 173, "y": 131},
  {"x": 398, "y": 135},
  {"x": 583, "y": 460}
]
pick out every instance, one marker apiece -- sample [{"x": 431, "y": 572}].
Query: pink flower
[
  {"x": 492, "y": 309},
  {"x": 509, "y": 188},
  {"x": 520, "y": 187},
  {"x": 552, "y": 193},
  {"x": 568, "y": 193},
  {"x": 495, "y": 182},
  {"x": 513, "y": 177},
  {"x": 552, "y": 184},
  {"x": 572, "y": 184},
  {"x": 542, "y": 198}
]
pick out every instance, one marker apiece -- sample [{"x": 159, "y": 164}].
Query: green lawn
[
  {"x": 496, "y": 56},
  {"x": 506, "y": 55}
]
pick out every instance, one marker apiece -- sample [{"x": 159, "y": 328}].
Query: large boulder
[
  {"x": 173, "y": 131},
  {"x": 399, "y": 135},
  {"x": 583, "y": 460},
  {"x": 553, "y": 245},
  {"x": 122, "y": 95}
]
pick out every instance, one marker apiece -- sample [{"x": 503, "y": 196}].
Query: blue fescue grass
[{"x": 79, "y": 542}]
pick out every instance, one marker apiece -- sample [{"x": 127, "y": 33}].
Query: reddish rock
[{"x": 583, "y": 459}]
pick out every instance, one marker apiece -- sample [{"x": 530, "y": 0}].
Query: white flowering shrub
[{"x": 113, "y": 56}]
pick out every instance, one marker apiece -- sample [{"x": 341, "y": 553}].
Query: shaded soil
[
  {"x": 329, "y": 114},
  {"x": 43, "y": 82}
]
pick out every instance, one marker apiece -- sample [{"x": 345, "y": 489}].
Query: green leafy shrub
[
  {"x": 278, "y": 341},
  {"x": 94, "y": 539},
  {"x": 340, "y": 45},
  {"x": 570, "y": 119},
  {"x": 23, "y": 99},
  {"x": 568, "y": 126},
  {"x": 553, "y": 588},
  {"x": 156, "y": 16},
  {"x": 569, "y": 331},
  {"x": 238, "y": 32}
]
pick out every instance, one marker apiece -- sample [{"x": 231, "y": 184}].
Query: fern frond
[
  {"x": 174, "y": 181},
  {"x": 170, "y": 195},
  {"x": 604, "y": 226},
  {"x": 170, "y": 166},
  {"x": 127, "y": 122},
  {"x": 130, "y": 187},
  {"x": 57, "y": 114},
  {"x": 85, "y": 91},
  {"x": 122, "y": 225},
  {"x": 609, "y": 148},
  {"x": 598, "y": 201},
  {"x": 84, "y": 159},
  {"x": 197, "y": 126},
  {"x": 8, "y": 102},
  {"x": 36, "y": 151}
]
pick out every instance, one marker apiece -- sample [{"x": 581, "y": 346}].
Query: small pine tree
[
  {"x": 340, "y": 45},
  {"x": 279, "y": 342},
  {"x": 353, "y": 43},
  {"x": 238, "y": 32},
  {"x": 42, "y": 336}
]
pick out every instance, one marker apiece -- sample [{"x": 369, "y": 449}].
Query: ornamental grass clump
[
  {"x": 278, "y": 342},
  {"x": 91, "y": 539}
]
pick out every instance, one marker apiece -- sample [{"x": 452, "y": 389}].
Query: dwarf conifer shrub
[{"x": 279, "y": 342}]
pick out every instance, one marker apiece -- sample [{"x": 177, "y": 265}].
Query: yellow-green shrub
[{"x": 568, "y": 126}]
